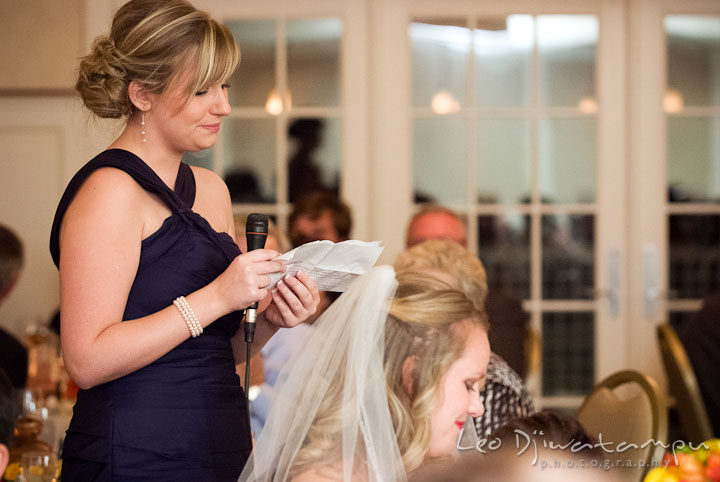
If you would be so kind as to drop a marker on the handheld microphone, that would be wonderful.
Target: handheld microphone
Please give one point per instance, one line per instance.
(256, 231)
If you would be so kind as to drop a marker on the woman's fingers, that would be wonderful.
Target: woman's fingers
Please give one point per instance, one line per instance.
(291, 291)
(295, 298)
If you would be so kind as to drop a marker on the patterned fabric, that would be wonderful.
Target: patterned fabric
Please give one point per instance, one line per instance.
(504, 397)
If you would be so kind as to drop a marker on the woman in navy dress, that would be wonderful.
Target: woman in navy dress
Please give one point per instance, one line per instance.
(152, 284)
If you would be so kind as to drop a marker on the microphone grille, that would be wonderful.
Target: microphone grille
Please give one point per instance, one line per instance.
(257, 223)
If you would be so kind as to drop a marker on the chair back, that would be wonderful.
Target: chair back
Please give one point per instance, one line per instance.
(627, 408)
(684, 386)
(533, 360)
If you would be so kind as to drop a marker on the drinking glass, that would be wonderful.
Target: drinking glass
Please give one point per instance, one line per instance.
(39, 467)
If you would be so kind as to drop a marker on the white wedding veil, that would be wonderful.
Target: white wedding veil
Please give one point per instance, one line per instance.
(330, 414)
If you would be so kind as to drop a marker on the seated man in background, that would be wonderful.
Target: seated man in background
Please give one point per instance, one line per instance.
(506, 314)
(504, 394)
(319, 215)
(13, 354)
(7, 419)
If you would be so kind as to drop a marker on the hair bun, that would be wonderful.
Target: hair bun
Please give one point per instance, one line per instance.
(103, 80)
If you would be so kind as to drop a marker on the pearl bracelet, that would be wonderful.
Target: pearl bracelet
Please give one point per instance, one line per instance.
(188, 315)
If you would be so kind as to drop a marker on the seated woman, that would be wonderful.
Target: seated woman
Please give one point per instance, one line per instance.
(385, 382)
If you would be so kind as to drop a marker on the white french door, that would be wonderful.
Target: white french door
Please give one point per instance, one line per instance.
(673, 166)
(513, 114)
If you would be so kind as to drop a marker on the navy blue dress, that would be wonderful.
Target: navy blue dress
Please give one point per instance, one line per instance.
(183, 417)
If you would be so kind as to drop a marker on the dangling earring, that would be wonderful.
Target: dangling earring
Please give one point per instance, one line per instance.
(142, 126)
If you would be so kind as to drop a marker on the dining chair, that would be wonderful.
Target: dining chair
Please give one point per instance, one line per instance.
(628, 411)
(684, 386)
(533, 360)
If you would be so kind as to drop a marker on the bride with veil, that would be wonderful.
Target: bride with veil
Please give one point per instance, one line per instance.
(386, 380)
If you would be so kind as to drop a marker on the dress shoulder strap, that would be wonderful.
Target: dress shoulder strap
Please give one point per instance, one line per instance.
(181, 199)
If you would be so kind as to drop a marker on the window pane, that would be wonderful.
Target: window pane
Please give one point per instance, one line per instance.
(568, 262)
(202, 158)
(255, 76)
(567, 160)
(439, 160)
(694, 255)
(250, 172)
(566, 47)
(314, 164)
(313, 50)
(440, 50)
(503, 60)
(568, 353)
(693, 50)
(504, 172)
(504, 248)
(694, 159)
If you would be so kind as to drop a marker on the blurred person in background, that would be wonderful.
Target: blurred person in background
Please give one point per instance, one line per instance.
(319, 215)
(8, 405)
(13, 354)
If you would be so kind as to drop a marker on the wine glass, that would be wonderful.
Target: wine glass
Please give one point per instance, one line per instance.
(39, 467)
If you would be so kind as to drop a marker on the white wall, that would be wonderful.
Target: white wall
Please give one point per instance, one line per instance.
(43, 142)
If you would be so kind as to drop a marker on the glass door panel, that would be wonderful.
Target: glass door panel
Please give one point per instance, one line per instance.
(439, 159)
(504, 248)
(255, 77)
(503, 49)
(313, 53)
(566, 151)
(504, 160)
(566, 52)
(314, 160)
(516, 148)
(439, 49)
(249, 160)
(690, 104)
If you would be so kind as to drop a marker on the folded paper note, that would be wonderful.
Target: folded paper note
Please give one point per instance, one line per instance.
(331, 265)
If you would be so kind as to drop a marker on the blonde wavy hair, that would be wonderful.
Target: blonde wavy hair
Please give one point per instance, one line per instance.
(451, 262)
(155, 42)
(427, 322)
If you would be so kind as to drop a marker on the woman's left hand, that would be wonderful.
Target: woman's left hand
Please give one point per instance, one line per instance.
(294, 300)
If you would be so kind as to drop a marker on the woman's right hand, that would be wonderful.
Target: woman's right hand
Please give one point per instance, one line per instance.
(243, 282)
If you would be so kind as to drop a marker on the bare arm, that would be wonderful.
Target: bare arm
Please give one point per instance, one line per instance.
(100, 251)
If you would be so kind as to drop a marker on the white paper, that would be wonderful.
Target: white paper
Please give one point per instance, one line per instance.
(331, 265)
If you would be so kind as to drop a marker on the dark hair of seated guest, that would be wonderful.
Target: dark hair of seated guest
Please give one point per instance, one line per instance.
(552, 427)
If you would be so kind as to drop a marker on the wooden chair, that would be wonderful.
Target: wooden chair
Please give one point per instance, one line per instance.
(628, 407)
(684, 386)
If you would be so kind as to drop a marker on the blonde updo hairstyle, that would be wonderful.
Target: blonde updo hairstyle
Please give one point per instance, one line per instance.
(428, 323)
(154, 42)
